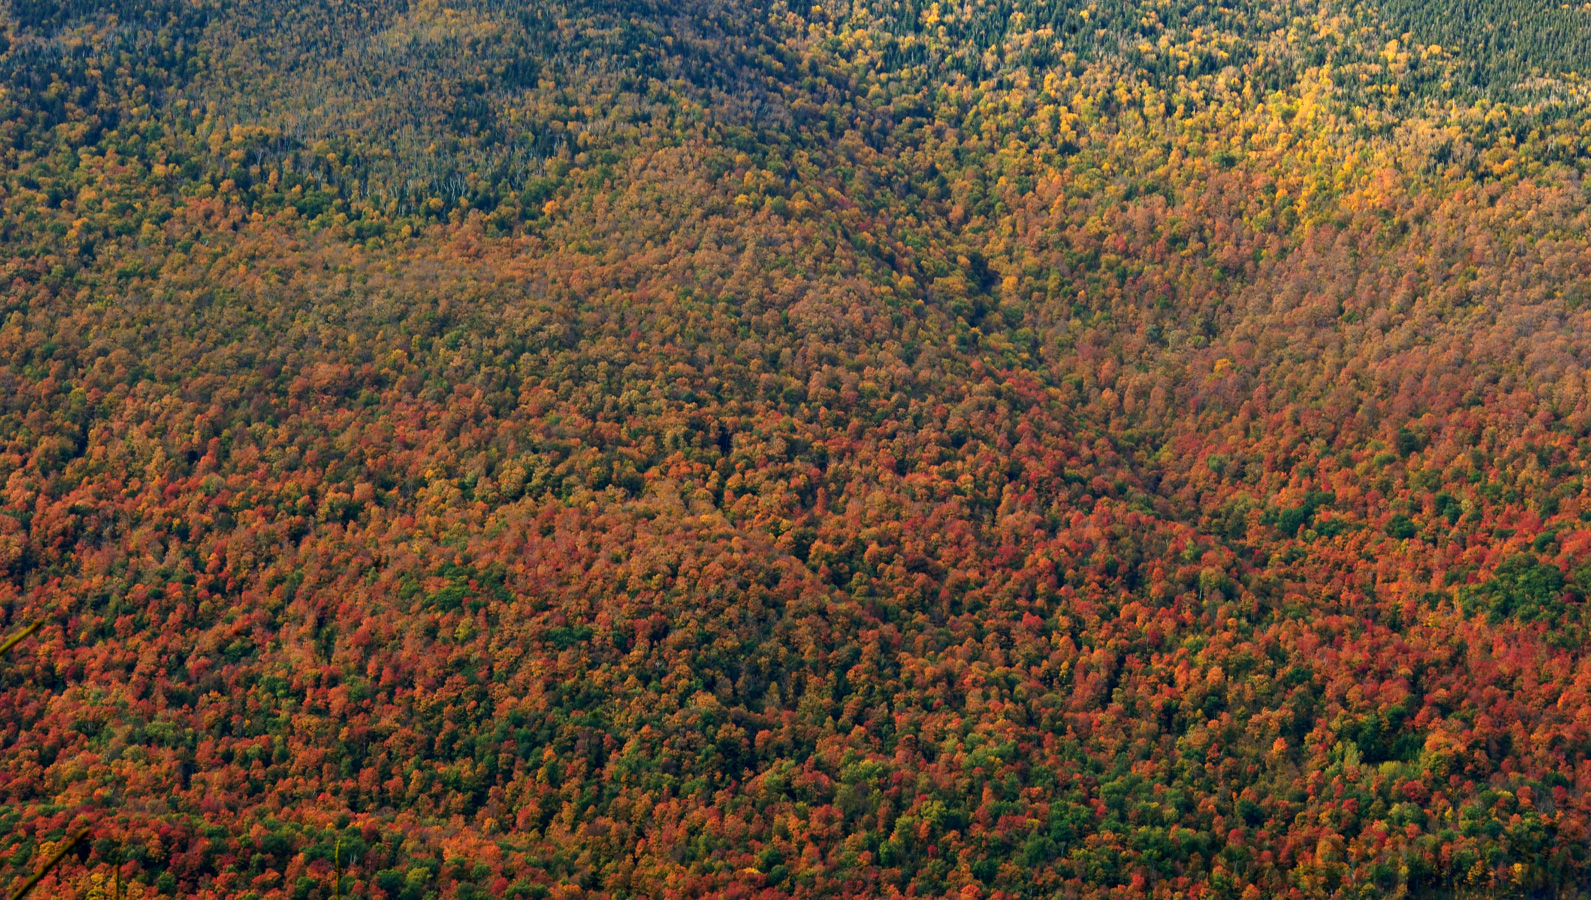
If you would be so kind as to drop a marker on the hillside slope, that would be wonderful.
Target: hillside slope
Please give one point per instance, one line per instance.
(999, 449)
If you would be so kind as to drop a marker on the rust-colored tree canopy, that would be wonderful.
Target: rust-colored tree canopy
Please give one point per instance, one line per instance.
(708, 450)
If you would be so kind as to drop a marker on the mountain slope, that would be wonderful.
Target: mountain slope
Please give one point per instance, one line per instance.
(659, 450)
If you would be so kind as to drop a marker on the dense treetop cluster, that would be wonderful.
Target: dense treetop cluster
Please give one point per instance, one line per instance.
(999, 448)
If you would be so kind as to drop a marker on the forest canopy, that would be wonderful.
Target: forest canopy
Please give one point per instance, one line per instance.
(1000, 448)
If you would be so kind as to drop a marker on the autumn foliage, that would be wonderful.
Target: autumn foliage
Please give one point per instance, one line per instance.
(705, 450)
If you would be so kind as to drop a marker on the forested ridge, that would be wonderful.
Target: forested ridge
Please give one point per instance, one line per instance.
(637, 449)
